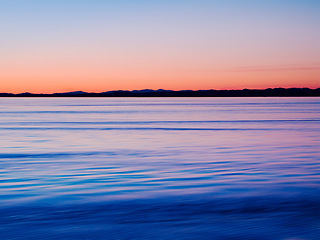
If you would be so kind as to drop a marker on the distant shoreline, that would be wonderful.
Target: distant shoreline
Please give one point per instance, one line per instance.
(270, 92)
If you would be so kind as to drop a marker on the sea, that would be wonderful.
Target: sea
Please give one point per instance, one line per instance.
(160, 168)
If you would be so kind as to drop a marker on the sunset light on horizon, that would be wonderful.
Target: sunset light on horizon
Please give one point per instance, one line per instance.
(97, 46)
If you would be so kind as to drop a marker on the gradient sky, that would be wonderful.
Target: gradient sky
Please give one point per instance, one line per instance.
(51, 46)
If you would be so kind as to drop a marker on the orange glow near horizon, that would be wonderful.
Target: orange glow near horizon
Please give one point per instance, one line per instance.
(53, 80)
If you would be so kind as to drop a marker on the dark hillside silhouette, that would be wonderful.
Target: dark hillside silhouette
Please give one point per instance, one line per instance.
(270, 92)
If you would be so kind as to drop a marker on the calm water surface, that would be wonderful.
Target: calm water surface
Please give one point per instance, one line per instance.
(159, 168)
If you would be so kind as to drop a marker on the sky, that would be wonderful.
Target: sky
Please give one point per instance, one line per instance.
(49, 46)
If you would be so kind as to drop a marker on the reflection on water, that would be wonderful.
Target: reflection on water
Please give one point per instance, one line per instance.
(161, 168)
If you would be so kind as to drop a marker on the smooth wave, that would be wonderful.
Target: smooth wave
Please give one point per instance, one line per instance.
(163, 122)
(197, 205)
(149, 129)
(162, 219)
(52, 155)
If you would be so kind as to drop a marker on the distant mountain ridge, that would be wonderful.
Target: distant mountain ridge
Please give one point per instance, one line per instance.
(269, 92)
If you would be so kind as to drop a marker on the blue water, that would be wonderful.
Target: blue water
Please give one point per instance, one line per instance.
(160, 168)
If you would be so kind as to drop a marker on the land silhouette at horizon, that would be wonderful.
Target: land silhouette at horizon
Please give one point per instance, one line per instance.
(269, 92)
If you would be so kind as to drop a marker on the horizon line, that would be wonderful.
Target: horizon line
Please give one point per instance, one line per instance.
(158, 90)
